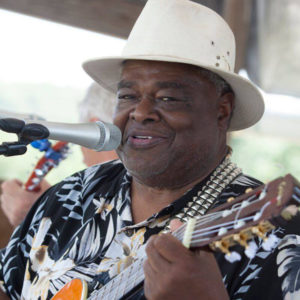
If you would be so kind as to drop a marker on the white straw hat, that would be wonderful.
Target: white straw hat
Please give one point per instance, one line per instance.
(183, 31)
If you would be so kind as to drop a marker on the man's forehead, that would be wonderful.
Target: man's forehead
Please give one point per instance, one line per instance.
(159, 84)
(168, 74)
(163, 65)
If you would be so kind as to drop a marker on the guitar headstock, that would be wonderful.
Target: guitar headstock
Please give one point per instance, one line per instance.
(52, 157)
(253, 214)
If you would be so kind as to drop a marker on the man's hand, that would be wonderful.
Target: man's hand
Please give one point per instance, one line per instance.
(174, 272)
(16, 201)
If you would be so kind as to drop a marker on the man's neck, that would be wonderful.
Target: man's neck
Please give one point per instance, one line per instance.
(147, 200)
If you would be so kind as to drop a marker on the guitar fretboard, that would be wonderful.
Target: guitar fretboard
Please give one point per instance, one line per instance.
(121, 284)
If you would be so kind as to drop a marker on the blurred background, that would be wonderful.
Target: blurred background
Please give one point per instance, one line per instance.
(43, 44)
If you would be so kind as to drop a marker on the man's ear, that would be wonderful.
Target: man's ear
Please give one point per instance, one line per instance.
(225, 110)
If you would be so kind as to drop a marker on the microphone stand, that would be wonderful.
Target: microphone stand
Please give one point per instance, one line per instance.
(11, 149)
(26, 133)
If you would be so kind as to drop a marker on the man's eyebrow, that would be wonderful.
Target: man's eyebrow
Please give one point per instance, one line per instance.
(159, 84)
(170, 84)
(125, 84)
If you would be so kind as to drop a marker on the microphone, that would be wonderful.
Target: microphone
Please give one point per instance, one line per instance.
(99, 136)
(7, 114)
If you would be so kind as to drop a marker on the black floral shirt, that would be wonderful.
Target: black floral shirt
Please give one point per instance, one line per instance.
(83, 228)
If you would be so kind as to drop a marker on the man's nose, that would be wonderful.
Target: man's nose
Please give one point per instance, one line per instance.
(145, 110)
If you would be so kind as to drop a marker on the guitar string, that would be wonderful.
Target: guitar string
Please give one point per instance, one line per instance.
(260, 198)
(118, 286)
(115, 281)
(208, 230)
(212, 217)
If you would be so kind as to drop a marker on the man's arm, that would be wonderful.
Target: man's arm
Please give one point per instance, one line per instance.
(16, 201)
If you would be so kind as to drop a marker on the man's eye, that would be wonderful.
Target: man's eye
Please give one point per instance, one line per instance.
(126, 97)
(167, 99)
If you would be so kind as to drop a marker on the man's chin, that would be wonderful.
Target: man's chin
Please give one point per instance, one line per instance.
(146, 172)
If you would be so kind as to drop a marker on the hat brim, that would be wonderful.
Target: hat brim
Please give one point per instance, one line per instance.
(249, 104)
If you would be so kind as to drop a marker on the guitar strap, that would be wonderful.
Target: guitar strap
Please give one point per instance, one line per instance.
(224, 174)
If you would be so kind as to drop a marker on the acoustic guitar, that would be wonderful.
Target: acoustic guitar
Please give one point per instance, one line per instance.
(253, 214)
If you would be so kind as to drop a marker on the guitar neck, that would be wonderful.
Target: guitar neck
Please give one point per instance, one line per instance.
(122, 284)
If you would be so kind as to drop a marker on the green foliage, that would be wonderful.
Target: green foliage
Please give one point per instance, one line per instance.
(266, 157)
(54, 103)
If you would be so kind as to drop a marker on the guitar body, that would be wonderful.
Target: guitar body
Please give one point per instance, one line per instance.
(76, 289)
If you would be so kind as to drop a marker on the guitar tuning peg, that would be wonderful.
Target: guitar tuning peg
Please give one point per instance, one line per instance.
(259, 231)
(289, 212)
(270, 242)
(223, 245)
(241, 239)
(248, 190)
(230, 199)
(233, 256)
(251, 249)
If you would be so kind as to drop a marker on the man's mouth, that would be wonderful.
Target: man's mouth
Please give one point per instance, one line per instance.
(142, 137)
(144, 141)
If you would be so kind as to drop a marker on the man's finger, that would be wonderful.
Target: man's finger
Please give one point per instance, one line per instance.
(157, 262)
(170, 248)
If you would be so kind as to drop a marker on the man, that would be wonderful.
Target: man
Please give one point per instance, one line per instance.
(97, 105)
(177, 97)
